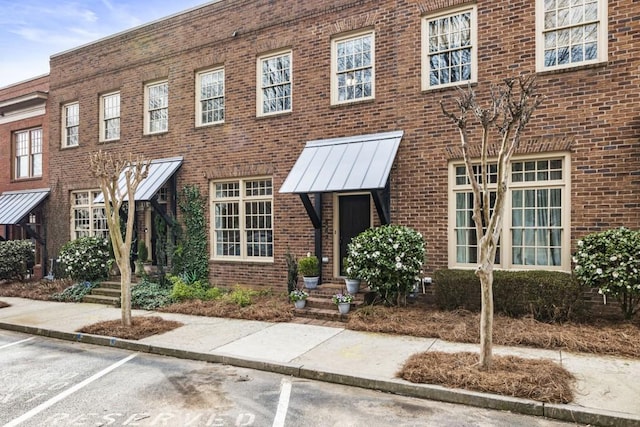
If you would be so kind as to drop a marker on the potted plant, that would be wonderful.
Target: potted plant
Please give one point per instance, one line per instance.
(298, 297)
(343, 301)
(351, 280)
(309, 267)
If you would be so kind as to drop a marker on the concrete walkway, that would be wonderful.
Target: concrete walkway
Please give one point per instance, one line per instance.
(607, 390)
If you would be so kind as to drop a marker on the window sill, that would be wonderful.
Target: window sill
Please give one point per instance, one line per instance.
(164, 132)
(270, 115)
(27, 179)
(69, 147)
(109, 141)
(242, 261)
(569, 69)
(208, 125)
(354, 102)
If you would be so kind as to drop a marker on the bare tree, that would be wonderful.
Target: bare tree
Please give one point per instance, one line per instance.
(508, 112)
(107, 168)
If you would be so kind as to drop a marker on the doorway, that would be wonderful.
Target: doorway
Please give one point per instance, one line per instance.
(354, 217)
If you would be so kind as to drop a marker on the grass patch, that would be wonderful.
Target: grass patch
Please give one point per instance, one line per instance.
(141, 327)
(38, 290)
(537, 379)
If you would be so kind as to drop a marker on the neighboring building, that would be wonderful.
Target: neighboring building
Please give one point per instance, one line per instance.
(230, 95)
(24, 183)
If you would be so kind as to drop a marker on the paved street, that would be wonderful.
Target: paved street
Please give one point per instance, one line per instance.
(46, 382)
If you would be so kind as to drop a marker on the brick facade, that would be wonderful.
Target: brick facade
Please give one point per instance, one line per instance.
(589, 111)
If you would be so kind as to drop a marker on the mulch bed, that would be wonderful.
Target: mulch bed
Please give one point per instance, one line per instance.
(141, 327)
(37, 289)
(3, 304)
(537, 379)
(265, 308)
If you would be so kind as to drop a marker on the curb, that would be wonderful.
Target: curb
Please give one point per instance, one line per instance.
(569, 413)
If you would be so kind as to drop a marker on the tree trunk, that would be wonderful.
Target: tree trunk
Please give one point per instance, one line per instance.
(125, 293)
(485, 273)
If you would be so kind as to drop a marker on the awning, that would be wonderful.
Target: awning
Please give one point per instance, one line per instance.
(16, 205)
(344, 164)
(160, 171)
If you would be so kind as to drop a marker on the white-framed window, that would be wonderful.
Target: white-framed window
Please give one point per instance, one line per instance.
(242, 219)
(570, 33)
(87, 218)
(535, 229)
(449, 48)
(28, 153)
(275, 83)
(353, 68)
(110, 116)
(70, 124)
(156, 118)
(210, 97)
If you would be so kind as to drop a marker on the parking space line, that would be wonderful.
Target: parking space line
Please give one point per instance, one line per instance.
(35, 411)
(15, 343)
(283, 403)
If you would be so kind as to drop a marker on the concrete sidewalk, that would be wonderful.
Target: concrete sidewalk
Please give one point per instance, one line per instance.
(607, 390)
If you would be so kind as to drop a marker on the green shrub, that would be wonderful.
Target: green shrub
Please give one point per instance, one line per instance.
(610, 261)
(309, 266)
(75, 292)
(191, 255)
(242, 297)
(546, 295)
(149, 295)
(16, 257)
(86, 258)
(185, 289)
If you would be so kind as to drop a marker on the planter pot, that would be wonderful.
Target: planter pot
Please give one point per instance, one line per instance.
(353, 285)
(310, 282)
(344, 307)
(300, 303)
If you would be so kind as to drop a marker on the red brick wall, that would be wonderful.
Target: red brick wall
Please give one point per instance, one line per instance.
(590, 110)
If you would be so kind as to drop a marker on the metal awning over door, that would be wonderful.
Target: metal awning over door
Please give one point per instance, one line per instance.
(15, 206)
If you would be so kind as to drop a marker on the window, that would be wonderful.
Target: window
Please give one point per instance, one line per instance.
(210, 97)
(535, 231)
(110, 117)
(28, 153)
(157, 107)
(449, 52)
(242, 219)
(352, 65)
(274, 83)
(570, 33)
(70, 124)
(87, 218)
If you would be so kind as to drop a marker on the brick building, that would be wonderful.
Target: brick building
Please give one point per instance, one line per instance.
(230, 95)
(24, 149)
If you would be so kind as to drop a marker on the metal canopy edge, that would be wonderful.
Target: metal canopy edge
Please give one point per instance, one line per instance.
(16, 205)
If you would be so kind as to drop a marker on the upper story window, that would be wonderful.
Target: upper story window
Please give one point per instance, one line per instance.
(353, 68)
(449, 48)
(570, 33)
(110, 116)
(70, 124)
(156, 107)
(28, 154)
(275, 74)
(210, 97)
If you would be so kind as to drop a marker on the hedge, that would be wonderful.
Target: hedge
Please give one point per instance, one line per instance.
(16, 258)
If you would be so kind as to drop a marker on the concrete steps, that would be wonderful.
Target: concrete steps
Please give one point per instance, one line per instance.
(107, 292)
(320, 306)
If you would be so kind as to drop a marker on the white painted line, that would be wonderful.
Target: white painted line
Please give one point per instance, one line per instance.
(35, 411)
(283, 403)
(16, 343)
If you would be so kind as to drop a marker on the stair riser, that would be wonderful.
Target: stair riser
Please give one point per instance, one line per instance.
(101, 300)
(115, 293)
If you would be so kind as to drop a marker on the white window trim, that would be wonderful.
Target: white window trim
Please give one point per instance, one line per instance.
(102, 137)
(65, 107)
(505, 243)
(334, 67)
(243, 258)
(603, 32)
(30, 154)
(259, 93)
(199, 122)
(90, 206)
(426, 82)
(147, 119)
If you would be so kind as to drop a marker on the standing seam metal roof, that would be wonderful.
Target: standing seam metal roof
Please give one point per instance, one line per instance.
(15, 205)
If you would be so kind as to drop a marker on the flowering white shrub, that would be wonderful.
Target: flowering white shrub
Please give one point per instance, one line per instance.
(389, 259)
(610, 261)
(85, 258)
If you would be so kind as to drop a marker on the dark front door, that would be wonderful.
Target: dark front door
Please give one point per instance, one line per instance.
(355, 217)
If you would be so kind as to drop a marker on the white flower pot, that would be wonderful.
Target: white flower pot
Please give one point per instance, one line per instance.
(353, 285)
(310, 282)
(300, 303)
(344, 307)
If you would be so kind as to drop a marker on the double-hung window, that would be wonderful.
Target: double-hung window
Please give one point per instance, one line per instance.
(535, 227)
(210, 97)
(28, 153)
(242, 226)
(449, 48)
(110, 117)
(275, 73)
(157, 107)
(87, 218)
(70, 124)
(353, 68)
(570, 33)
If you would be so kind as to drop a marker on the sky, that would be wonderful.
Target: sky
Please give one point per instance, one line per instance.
(33, 30)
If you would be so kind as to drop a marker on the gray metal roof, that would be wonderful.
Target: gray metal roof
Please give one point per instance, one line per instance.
(160, 171)
(15, 205)
(344, 164)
